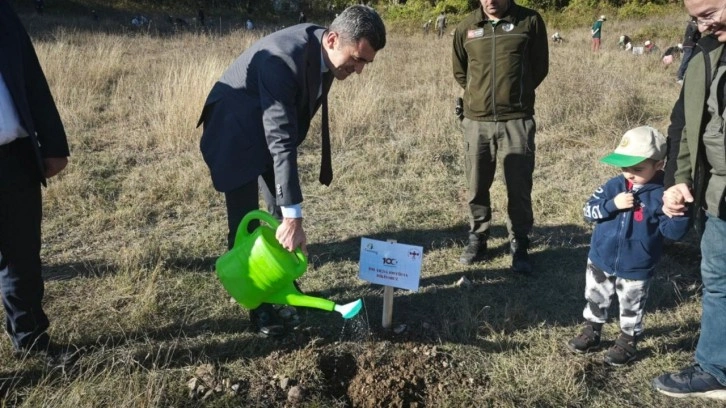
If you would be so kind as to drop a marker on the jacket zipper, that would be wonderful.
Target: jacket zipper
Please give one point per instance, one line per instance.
(494, 71)
(621, 238)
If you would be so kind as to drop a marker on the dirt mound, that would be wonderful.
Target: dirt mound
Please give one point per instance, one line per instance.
(394, 375)
(353, 375)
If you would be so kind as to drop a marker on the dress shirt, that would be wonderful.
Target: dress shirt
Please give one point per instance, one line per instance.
(10, 128)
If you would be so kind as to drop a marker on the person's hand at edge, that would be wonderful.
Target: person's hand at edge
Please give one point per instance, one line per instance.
(54, 165)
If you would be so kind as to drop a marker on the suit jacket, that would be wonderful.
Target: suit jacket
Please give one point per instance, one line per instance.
(259, 112)
(29, 90)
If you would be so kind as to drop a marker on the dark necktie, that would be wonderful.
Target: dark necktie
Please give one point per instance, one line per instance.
(326, 166)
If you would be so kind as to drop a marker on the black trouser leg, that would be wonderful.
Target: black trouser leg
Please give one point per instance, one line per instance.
(21, 282)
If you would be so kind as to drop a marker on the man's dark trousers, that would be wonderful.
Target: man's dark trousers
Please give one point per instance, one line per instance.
(244, 199)
(21, 283)
(512, 143)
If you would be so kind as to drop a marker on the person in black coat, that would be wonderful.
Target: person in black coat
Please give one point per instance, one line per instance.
(33, 147)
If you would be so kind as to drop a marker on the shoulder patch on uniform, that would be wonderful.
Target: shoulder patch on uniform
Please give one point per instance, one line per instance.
(479, 32)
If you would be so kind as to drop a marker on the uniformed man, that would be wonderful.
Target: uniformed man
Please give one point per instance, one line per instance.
(500, 56)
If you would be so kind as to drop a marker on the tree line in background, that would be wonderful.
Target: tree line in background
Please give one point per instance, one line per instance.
(402, 13)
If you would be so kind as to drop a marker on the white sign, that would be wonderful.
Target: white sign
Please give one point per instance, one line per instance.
(390, 264)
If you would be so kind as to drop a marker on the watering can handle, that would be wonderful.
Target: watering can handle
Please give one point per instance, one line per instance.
(242, 231)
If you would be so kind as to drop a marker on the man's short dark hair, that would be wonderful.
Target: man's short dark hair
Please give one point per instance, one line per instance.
(358, 22)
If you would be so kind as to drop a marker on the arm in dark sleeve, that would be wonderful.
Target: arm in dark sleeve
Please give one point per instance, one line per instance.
(459, 58)
(673, 228)
(539, 52)
(46, 120)
(278, 89)
(675, 131)
(601, 205)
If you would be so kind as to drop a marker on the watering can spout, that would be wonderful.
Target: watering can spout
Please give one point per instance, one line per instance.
(291, 296)
(259, 270)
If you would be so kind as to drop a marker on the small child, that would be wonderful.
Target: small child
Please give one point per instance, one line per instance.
(626, 243)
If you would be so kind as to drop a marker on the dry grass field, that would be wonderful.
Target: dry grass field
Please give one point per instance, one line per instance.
(133, 226)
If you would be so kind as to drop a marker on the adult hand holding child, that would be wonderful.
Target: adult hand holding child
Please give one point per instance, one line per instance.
(675, 199)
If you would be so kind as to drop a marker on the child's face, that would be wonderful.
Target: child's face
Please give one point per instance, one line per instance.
(642, 172)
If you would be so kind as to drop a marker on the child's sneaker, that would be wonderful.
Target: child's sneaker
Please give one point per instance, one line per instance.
(622, 352)
(587, 340)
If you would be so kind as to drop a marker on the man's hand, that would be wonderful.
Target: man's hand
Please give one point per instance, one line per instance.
(675, 199)
(624, 201)
(54, 165)
(291, 236)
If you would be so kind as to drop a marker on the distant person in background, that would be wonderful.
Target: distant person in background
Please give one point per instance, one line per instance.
(596, 32)
(690, 38)
(427, 27)
(249, 25)
(649, 47)
(33, 148)
(302, 18)
(200, 18)
(440, 24)
(623, 42)
(626, 209)
(498, 124)
(699, 191)
(260, 110)
(557, 38)
(94, 15)
(39, 6)
(140, 21)
(671, 53)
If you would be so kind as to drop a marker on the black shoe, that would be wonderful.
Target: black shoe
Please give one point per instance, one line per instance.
(54, 355)
(266, 321)
(40, 345)
(622, 352)
(520, 257)
(587, 340)
(690, 382)
(475, 250)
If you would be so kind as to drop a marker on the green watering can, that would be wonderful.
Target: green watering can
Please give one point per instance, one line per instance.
(259, 270)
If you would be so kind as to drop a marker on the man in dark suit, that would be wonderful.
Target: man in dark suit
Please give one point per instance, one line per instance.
(33, 147)
(259, 112)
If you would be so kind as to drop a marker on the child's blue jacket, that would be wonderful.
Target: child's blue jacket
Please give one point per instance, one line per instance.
(628, 243)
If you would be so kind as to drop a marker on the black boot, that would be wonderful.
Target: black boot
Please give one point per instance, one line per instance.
(266, 321)
(475, 250)
(520, 257)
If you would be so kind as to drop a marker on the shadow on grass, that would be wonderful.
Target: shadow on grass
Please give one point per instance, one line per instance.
(84, 269)
(14, 380)
(322, 253)
(99, 268)
(498, 302)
